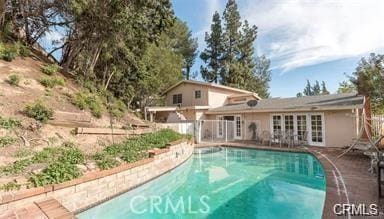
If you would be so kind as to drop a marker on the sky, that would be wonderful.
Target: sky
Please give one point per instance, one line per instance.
(304, 39)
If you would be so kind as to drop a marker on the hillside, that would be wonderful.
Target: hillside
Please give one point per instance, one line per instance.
(33, 135)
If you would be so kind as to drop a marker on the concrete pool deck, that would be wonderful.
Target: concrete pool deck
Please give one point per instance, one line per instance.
(348, 178)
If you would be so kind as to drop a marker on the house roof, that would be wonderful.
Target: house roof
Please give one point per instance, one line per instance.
(206, 84)
(245, 95)
(307, 103)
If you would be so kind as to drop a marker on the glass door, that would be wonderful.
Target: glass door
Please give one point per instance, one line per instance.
(317, 129)
(302, 132)
(237, 127)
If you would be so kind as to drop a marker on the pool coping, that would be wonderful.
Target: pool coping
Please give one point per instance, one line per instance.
(335, 192)
(79, 211)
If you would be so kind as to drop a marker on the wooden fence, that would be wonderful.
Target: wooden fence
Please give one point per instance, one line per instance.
(377, 125)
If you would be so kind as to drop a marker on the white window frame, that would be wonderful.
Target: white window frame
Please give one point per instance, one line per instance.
(309, 120)
(235, 127)
(308, 123)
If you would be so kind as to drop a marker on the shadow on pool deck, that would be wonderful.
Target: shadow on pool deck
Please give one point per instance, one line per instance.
(348, 178)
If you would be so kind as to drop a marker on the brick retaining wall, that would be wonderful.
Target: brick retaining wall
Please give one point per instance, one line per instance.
(96, 187)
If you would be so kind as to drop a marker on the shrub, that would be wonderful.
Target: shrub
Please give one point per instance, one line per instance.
(87, 100)
(118, 108)
(105, 161)
(57, 172)
(135, 149)
(14, 80)
(23, 152)
(23, 50)
(8, 52)
(9, 123)
(15, 168)
(50, 69)
(6, 141)
(10, 186)
(39, 112)
(51, 82)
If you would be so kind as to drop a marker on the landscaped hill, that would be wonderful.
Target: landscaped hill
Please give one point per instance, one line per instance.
(23, 83)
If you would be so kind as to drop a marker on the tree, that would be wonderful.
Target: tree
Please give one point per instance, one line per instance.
(185, 45)
(324, 90)
(232, 40)
(346, 87)
(316, 90)
(212, 55)
(369, 80)
(299, 94)
(261, 76)
(308, 89)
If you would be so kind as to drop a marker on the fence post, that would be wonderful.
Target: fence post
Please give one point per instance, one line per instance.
(226, 130)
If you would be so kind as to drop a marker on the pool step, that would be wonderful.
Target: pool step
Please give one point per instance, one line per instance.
(53, 209)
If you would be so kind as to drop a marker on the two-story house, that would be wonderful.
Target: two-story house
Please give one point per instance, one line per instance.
(331, 120)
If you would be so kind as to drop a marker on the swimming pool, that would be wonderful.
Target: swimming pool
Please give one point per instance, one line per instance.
(227, 183)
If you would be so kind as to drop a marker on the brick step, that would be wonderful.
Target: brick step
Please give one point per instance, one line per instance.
(70, 124)
(108, 131)
(53, 209)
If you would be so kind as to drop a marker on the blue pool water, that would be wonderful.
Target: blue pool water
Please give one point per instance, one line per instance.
(231, 183)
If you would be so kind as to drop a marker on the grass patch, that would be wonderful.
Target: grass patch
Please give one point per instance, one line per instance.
(51, 82)
(38, 111)
(14, 79)
(23, 152)
(50, 69)
(9, 123)
(6, 141)
(86, 100)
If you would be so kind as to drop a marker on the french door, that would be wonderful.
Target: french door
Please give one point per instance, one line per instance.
(304, 127)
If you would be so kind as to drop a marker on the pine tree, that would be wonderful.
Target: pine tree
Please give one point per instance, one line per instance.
(247, 61)
(232, 39)
(324, 90)
(308, 89)
(212, 55)
(316, 90)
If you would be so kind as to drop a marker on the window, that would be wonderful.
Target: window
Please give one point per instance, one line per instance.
(276, 124)
(177, 98)
(197, 94)
(288, 121)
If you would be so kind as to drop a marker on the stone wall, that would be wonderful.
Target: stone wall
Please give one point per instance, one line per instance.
(96, 187)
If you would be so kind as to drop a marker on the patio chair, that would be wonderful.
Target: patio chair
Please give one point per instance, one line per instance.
(265, 137)
(303, 139)
(277, 137)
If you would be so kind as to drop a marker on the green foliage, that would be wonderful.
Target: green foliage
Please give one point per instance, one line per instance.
(135, 149)
(118, 108)
(314, 90)
(8, 52)
(23, 152)
(15, 168)
(50, 69)
(10, 186)
(51, 82)
(9, 123)
(14, 79)
(57, 172)
(87, 100)
(212, 55)
(6, 141)
(105, 161)
(346, 87)
(369, 80)
(39, 111)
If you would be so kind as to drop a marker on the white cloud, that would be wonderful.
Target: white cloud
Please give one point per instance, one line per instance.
(296, 33)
